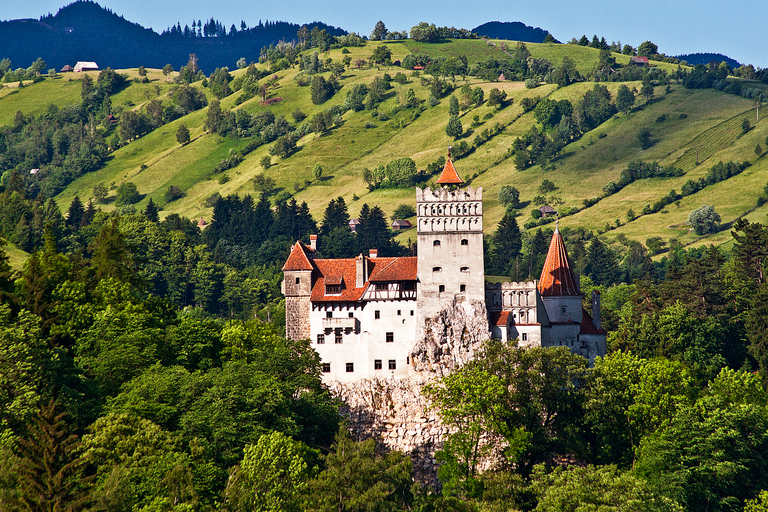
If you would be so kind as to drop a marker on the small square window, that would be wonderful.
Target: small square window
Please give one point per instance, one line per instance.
(377, 314)
(390, 337)
(329, 314)
(351, 315)
(326, 367)
(411, 312)
(350, 367)
(377, 364)
(321, 339)
(441, 289)
(298, 280)
(563, 309)
(399, 312)
(525, 336)
(392, 364)
(462, 288)
(338, 337)
(436, 243)
(464, 241)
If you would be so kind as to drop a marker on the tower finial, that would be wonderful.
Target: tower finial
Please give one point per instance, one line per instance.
(557, 221)
(449, 152)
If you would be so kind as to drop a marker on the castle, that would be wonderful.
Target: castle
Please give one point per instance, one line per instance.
(364, 315)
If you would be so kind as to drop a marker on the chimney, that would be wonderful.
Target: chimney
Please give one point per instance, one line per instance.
(313, 242)
(373, 253)
(596, 308)
(361, 271)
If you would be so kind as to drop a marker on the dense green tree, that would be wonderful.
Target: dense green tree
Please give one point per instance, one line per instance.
(505, 246)
(127, 194)
(151, 211)
(601, 263)
(453, 128)
(356, 478)
(272, 477)
(373, 232)
(182, 134)
(75, 213)
(335, 216)
(381, 54)
(704, 220)
(604, 488)
(379, 31)
(625, 99)
(48, 470)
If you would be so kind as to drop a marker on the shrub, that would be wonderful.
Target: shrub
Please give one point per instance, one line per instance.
(127, 193)
(173, 193)
(404, 211)
(704, 220)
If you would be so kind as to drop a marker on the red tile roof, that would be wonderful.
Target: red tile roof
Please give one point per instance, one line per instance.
(449, 175)
(333, 271)
(557, 277)
(499, 317)
(299, 259)
(588, 325)
(393, 269)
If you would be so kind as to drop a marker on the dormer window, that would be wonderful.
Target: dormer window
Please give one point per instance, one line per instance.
(332, 289)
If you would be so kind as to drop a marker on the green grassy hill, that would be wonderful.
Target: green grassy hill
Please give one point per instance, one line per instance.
(685, 125)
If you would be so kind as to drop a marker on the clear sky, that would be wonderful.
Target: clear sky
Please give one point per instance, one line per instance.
(733, 28)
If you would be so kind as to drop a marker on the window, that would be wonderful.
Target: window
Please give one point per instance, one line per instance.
(437, 269)
(409, 285)
(462, 288)
(338, 336)
(436, 243)
(331, 289)
(464, 241)
(298, 280)
(326, 367)
(329, 314)
(525, 336)
(411, 312)
(377, 364)
(563, 309)
(320, 339)
(464, 269)
(392, 364)
(377, 314)
(399, 313)
(382, 286)
(441, 289)
(351, 315)
(350, 367)
(390, 337)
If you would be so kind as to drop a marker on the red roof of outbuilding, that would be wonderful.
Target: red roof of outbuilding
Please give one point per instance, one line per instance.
(499, 317)
(557, 277)
(449, 175)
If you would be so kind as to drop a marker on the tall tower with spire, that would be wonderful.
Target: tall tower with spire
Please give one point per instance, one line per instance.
(450, 241)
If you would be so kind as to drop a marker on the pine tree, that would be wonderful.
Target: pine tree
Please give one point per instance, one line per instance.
(151, 211)
(335, 216)
(75, 213)
(601, 263)
(505, 246)
(50, 476)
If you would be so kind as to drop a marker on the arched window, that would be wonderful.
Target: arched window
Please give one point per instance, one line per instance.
(436, 243)
(437, 269)
(464, 241)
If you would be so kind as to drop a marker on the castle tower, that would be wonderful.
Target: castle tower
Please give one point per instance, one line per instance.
(560, 293)
(450, 242)
(297, 288)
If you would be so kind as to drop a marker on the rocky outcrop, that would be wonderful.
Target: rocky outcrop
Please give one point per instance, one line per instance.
(451, 338)
(394, 411)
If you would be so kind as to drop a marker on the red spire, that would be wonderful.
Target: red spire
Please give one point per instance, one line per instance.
(557, 277)
(449, 175)
(298, 260)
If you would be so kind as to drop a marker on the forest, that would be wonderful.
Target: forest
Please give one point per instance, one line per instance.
(144, 367)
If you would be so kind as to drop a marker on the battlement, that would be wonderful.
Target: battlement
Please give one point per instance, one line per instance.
(444, 194)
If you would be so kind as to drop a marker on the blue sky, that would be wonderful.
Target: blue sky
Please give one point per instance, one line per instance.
(736, 29)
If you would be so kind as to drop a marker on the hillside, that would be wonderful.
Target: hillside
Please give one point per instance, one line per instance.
(682, 122)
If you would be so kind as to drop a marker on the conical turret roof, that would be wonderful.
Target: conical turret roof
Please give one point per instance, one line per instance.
(449, 175)
(557, 277)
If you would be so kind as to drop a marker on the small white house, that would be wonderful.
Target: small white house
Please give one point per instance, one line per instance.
(86, 66)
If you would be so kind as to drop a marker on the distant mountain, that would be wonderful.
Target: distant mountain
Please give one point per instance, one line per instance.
(514, 31)
(85, 31)
(706, 58)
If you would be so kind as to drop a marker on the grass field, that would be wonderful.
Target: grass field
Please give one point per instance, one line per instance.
(690, 129)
